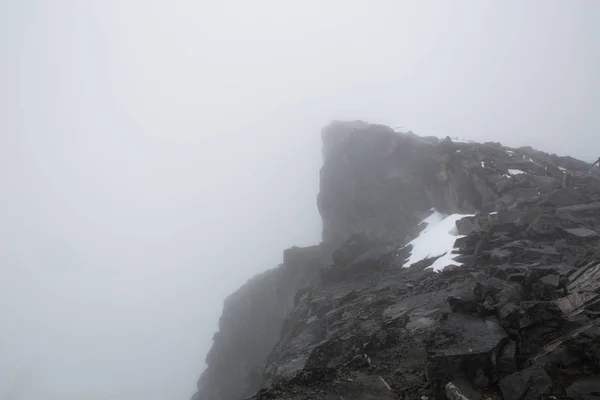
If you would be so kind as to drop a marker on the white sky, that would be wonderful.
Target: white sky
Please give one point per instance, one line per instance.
(155, 154)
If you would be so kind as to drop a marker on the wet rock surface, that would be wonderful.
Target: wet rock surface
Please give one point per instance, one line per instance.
(348, 319)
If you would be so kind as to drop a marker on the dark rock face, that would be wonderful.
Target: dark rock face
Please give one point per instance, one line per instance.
(347, 319)
(259, 307)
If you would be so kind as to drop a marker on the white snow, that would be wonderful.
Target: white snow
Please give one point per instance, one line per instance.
(515, 172)
(510, 152)
(437, 239)
(457, 139)
(482, 164)
(562, 169)
(400, 129)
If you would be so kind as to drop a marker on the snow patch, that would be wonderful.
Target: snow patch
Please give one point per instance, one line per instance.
(457, 139)
(482, 164)
(562, 169)
(515, 172)
(436, 240)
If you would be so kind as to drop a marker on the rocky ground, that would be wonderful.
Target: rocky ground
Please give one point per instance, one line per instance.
(518, 318)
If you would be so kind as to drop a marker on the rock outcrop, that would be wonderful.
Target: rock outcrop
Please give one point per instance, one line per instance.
(515, 313)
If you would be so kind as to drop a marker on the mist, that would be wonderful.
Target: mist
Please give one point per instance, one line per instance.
(156, 154)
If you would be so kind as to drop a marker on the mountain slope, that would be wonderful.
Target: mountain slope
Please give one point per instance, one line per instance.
(512, 313)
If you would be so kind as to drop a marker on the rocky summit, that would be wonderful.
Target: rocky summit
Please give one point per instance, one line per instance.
(446, 269)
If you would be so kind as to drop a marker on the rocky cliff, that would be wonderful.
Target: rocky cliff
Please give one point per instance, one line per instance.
(446, 269)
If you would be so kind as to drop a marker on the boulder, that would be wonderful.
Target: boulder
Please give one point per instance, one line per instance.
(529, 384)
(465, 306)
(563, 198)
(541, 311)
(547, 287)
(587, 388)
(507, 360)
(513, 318)
(494, 292)
(469, 349)
(461, 389)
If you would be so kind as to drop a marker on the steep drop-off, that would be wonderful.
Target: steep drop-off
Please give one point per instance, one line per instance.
(514, 314)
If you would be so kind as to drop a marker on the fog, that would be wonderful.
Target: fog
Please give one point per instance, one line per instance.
(156, 154)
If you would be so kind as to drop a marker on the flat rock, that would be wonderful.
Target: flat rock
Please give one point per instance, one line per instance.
(586, 279)
(582, 233)
(580, 208)
(575, 301)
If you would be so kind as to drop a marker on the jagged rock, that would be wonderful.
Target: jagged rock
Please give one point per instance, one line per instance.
(463, 306)
(586, 343)
(499, 256)
(587, 388)
(541, 311)
(548, 287)
(513, 318)
(563, 198)
(586, 279)
(544, 254)
(346, 320)
(575, 301)
(529, 384)
(546, 324)
(505, 270)
(471, 343)
(507, 360)
(493, 292)
(461, 389)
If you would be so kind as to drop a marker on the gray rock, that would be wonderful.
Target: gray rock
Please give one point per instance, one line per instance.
(563, 198)
(365, 328)
(582, 233)
(586, 279)
(587, 388)
(513, 318)
(498, 256)
(468, 353)
(529, 384)
(461, 389)
(507, 360)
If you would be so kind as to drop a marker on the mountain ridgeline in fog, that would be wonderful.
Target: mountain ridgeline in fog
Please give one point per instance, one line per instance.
(446, 269)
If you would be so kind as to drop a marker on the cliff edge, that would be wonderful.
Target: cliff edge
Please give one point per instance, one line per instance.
(446, 269)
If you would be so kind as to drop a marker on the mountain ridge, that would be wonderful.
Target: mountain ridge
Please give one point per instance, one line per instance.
(348, 318)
